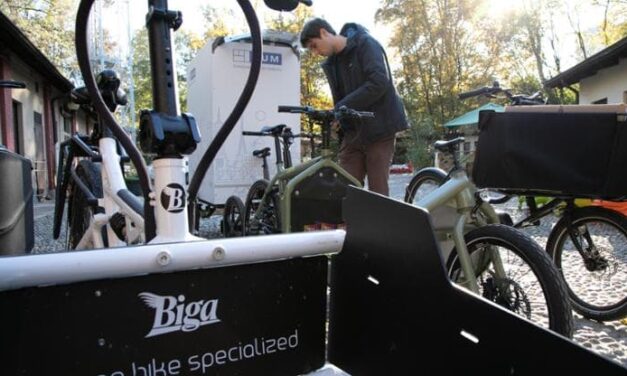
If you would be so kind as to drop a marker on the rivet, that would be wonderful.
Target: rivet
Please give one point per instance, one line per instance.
(164, 258)
(219, 253)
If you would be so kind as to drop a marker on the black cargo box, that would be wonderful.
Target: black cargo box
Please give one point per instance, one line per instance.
(573, 154)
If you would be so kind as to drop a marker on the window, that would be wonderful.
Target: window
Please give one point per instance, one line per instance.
(17, 126)
(67, 127)
(601, 101)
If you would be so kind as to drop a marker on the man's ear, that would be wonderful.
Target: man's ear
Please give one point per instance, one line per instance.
(324, 33)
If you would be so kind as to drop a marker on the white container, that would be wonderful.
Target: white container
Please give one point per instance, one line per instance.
(216, 78)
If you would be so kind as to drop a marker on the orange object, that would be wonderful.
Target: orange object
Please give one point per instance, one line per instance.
(619, 206)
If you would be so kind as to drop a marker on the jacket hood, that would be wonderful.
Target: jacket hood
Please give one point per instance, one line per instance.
(352, 31)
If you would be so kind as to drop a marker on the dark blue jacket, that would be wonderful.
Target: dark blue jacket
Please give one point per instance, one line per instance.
(360, 78)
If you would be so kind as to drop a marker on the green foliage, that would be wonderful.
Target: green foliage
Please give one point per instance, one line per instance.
(420, 138)
(313, 83)
(141, 70)
(49, 25)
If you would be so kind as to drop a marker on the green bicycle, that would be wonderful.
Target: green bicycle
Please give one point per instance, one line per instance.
(302, 197)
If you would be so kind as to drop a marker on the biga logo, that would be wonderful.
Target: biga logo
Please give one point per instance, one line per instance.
(172, 314)
(173, 198)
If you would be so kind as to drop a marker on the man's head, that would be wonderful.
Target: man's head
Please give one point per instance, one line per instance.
(319, 37)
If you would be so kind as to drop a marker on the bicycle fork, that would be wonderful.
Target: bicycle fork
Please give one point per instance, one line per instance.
(584, 244)
(470, 269)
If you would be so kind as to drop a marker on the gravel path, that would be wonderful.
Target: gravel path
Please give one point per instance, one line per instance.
(605, 338)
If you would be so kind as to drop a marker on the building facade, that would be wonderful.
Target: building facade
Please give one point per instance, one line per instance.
(35, 119)
(602, 77)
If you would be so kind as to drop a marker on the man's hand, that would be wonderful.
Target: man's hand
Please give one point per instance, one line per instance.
(335, 125)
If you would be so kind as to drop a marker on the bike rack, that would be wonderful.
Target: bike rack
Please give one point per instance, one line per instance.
(258, 305)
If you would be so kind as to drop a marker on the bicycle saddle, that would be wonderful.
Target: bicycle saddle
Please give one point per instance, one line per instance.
(274, 130)
(448, 145)
(109, 86)
(262, 153)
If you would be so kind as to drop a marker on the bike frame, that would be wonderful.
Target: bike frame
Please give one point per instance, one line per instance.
(288, 179)
(459, 192)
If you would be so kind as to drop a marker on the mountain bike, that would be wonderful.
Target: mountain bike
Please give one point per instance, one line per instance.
(589, 242)
(306, 196)
(493, 260)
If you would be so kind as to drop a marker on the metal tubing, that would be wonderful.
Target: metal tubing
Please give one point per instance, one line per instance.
(463, 256)
(69, 267)
(445, 193)
(163, 70)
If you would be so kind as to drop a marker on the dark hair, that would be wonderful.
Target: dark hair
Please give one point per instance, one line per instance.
(312, 30)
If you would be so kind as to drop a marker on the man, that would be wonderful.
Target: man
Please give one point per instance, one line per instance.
(360, 78)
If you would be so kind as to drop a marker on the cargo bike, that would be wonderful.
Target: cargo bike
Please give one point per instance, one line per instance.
(254, 305)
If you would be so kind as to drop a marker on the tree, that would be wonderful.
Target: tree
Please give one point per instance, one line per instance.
(50, 26)
(439, 56)
(313, 83)
(220, 21)
(141, 70)
(187, 44)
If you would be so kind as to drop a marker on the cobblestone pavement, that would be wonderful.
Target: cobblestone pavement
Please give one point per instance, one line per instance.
(605, 338)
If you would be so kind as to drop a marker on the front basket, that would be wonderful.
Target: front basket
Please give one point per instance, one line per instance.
(557, 154)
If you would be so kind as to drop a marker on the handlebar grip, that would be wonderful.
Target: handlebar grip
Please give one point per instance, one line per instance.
(292, 109)
(474, 93)
(247, 133)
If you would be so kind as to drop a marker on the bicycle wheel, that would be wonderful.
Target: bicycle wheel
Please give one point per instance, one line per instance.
(531, 287)
(79, 212)
(423, 183)
(596, 277)
(268, 221)
(233, 221)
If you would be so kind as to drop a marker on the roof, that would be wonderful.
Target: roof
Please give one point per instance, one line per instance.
(12, 39)
(601, 60)
(279, 38)
(472, 117)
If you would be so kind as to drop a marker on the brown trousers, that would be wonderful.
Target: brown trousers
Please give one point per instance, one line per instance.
(371, 160)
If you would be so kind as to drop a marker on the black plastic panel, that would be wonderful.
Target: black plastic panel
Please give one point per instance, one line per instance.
(560, 154)
(260, 319)
(319, 200)
(394, 312)
(16, 204)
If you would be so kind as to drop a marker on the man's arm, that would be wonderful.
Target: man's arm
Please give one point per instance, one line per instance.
(377, 80)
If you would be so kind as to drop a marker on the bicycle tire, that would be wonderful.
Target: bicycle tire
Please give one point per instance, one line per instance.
(79, 212)
(270, 222)
(531, 259)
(424, 182)
(609, 231)
(233, 220)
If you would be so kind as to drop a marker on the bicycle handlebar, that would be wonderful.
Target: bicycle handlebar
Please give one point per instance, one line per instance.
(248, 133)
(516, 100)
(342, 112)
(477, 92)
(294, 109)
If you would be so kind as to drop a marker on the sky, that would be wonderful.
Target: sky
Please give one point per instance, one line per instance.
(337, 12)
